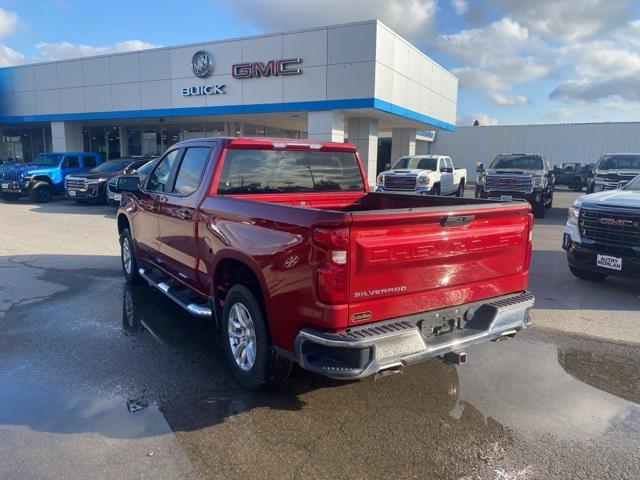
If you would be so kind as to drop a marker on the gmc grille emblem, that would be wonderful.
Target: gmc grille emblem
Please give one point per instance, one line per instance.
(617, 222)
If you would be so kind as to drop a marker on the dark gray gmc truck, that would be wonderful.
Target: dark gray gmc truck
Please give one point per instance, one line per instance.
(522, 176)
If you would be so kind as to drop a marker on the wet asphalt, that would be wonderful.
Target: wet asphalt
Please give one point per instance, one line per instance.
(100, 380)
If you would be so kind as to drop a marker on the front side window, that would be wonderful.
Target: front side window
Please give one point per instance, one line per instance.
(284, 171)
(89, 161)
(518, 162)
(191, 169)
(161, 175)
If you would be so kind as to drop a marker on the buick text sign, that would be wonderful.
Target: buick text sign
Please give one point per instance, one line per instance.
(203, 90)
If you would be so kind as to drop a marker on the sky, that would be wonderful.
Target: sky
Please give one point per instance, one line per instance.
(517, 61)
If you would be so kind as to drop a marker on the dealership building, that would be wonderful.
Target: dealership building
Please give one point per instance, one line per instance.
(358, 81)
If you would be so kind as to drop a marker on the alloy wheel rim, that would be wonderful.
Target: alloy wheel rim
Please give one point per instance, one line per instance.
(126, 255)
(242, 336)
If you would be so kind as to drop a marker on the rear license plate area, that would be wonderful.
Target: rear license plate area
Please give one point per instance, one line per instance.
(440, 324)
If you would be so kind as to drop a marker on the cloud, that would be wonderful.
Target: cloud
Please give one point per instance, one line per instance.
(497, 58)
(411, 18)
(8, 22)
(508, 100)
(65, 50)
(604, 71)
(9, 57)
(460, 6)
(482, 118)
(567, 20)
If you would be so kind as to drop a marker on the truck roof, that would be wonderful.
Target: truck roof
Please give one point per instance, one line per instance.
(276, 143)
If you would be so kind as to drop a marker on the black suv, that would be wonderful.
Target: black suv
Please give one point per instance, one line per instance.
(92, 186)
(526, 176)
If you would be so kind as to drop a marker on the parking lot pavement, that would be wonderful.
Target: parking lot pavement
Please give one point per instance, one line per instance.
(99, 380)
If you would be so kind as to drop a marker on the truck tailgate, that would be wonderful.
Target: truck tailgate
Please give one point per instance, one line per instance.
(404, 262)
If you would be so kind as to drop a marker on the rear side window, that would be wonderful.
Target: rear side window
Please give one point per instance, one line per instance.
(71, 162)
(161, 175)
(90, 161)
(191, 169)
(284, 171)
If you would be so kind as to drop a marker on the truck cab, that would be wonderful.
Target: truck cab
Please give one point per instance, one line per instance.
(423, 175)
(45, 176)
(524, 176)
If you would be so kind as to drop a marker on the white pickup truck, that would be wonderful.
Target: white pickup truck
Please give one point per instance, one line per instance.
(423, 174)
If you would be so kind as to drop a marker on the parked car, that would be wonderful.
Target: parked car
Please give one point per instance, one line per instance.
(613, 170)
(423, 174)
(573, 175)
(92, 186)
(602, 235)
(280, 242)
(526, 176)
(113, 194)
(45, 176)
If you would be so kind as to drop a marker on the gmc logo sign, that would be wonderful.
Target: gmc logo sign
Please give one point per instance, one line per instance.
(271, 68)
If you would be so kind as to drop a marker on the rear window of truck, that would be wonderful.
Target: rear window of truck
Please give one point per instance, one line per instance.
(286, 171)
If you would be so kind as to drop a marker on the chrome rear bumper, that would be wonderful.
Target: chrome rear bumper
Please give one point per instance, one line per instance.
(369, 349)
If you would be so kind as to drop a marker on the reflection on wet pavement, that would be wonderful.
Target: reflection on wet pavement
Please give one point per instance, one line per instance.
(539, 406)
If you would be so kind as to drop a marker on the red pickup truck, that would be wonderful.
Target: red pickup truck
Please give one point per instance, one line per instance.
(282, 244)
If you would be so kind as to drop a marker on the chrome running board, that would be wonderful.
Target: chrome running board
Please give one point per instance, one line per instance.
(193, 308)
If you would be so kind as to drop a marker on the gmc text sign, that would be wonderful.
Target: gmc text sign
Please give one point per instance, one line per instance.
(286, 66)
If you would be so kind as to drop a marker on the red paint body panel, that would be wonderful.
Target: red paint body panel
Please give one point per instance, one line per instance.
(401, 259)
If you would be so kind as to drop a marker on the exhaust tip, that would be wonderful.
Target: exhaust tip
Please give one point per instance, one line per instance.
(389, 370)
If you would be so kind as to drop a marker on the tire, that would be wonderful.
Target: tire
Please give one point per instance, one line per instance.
(587, 275)
(460, 192)
(550, 204)
(436, 190)
(268, 367)
(10, 197)
(40, 192)
(590, 188)
(128, 258)
(576, 185)
(539, 211)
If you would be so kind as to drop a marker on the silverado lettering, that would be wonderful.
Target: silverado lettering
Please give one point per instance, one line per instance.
(282, 245)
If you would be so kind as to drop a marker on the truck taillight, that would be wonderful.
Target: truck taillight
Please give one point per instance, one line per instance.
(527, 259)
(332, 271)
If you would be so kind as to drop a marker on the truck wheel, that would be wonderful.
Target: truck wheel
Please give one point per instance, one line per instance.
(587, 275)
(550, 204)
(460, 192)
(251, 356)
(436, 190)
(576, 185)
(128, 258)
(10, 197)
(539, 210)
(40, 192)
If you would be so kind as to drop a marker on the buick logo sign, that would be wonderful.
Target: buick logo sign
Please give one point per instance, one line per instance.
(202, 64)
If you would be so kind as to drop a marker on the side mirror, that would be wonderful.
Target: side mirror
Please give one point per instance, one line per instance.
(129, 183)
(479, 167)
(387, 166)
